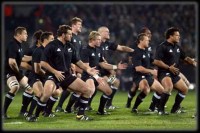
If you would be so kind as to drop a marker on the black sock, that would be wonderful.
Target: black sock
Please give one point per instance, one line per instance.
(26, 99)
(33, 105)
(91, 98)
(155, 100)
(114, 90)
(63, 97)
(51, 101)
(83, 101)
(8, 99)
(139, 100)
(163, 100)
(76, 104)
(40, 107)
(179, 98)
(103, 101)
(130, 97)
(74, 97)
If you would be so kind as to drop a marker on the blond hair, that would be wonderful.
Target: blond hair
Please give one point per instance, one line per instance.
(93, 35)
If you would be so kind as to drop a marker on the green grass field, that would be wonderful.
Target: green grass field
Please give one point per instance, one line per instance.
(120, 119)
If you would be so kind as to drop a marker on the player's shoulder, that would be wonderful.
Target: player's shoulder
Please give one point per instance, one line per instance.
(12, 43)
(137, 51)
(53, 44)
(85, 47)
(162, 45)
(39, 49)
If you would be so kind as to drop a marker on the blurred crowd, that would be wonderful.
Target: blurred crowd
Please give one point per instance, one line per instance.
(123, 20)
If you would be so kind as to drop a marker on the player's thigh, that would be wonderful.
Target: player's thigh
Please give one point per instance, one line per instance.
(167, 84)
(181, 86)
(38, 88)
(105, 88)
(91, 84)
(156, 86)
(79, 85)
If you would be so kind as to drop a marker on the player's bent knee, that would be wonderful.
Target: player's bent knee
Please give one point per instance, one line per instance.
(184, 91)
(108, 92)
(146, 90)
(27, 87)
(57, 92)
(86, 90)
(117, 82)
(14, 85)
(92, 91)
(39, 94)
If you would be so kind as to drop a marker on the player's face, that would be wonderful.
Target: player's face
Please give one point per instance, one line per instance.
(148, 32)
(68, 35)
(23, 36)
(78, 26)
(106, 33)
(176, 37)
(146, 41)
(51, 38)
(97, 41)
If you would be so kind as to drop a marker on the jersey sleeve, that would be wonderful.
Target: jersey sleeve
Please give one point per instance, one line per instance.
(12, 50)
(182, 54)
(112, 46)
(133, 46)
(101, 59)
(84, 55)
(75, 56)
(48, 51)
(136, 59)
(159, 52)
(28, 52)
(36, 56)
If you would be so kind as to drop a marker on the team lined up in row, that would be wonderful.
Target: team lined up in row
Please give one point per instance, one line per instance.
(57, 64)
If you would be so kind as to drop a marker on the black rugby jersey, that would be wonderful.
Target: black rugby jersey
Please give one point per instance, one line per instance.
(14, 50)
(141, 57)
(37, 56)
(60, 56)
(108, 47)
(91, 55)
(77, 43)
(30, 50)
(169, 54)
(149, 49)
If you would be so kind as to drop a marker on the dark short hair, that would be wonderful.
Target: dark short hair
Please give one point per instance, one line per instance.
(45, 35)
(19, 30)
(170, 32)
(75, 20)
(140, 37)
(63, 29)
(144, 30)
(36, 36)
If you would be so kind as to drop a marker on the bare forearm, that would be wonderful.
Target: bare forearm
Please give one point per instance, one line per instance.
(106, 66)
(143, 69)
(26, 66)
(161, 64)
(82, 65)
(48, 67)
(14, 67)
(126, 49)
(190, 61)
(38, 69)
(41, 72)
(27, 58)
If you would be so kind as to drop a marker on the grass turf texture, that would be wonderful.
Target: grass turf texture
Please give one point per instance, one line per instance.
(121, 119)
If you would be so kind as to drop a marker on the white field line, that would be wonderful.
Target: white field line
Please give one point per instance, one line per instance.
(16, 122)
